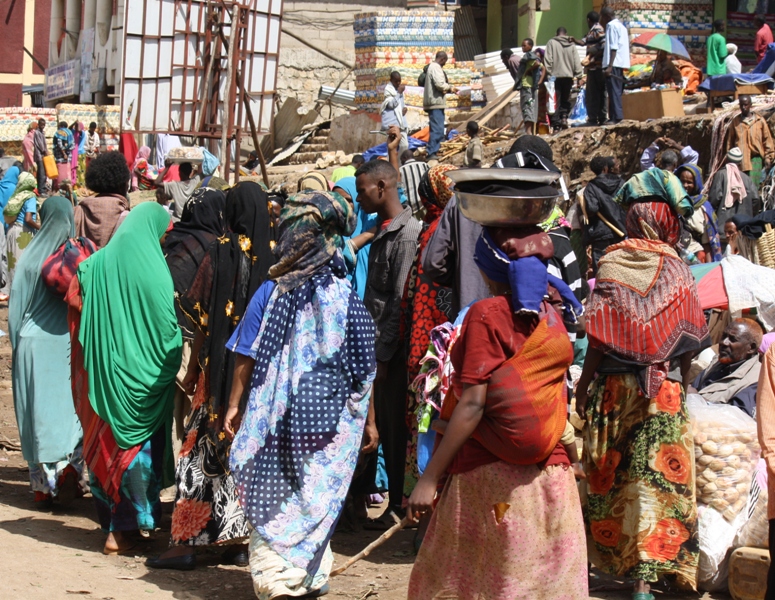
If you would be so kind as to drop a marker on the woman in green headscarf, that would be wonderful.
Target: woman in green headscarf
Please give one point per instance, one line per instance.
(126, 350)
(37, 322)
(21, 217)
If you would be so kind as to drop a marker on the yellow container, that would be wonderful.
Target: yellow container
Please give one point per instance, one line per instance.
(748, 573)
(50, 165)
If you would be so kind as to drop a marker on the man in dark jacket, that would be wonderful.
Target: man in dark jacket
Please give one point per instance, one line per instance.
(748, 205)
(605, 218)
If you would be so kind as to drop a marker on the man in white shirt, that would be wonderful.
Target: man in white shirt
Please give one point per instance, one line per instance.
(393, 109)
(616, 59)
(686, 154)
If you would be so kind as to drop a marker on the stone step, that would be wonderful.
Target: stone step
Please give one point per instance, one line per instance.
(301, 158)
(313, 147)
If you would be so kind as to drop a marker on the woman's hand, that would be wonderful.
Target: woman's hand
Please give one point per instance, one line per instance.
(232, 421)
(190, 380)
(581, 402)
(370, 438)
(421, 500)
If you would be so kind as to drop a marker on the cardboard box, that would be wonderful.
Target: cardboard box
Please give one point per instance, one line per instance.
(653, 104)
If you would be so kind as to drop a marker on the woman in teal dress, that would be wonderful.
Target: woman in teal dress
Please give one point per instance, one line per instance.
(37, 321)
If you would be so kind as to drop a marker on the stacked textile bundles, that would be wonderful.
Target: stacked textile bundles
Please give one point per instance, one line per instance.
(688, 20)
(405, 42)
(497, 80)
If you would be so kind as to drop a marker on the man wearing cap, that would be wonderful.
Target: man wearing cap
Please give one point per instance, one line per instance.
(732, 192)
(751, 133)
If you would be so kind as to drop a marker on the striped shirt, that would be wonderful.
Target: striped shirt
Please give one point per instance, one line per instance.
(565, 266)
(411, 174)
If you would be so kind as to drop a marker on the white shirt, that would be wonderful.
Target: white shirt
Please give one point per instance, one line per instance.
(393, 108)
(733, 64)
(92, 146)
(617, 38)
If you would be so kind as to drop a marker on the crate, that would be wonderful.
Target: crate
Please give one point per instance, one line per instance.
(653, 104)
(748, 569)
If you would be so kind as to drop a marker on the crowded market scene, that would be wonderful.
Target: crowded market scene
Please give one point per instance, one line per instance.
(405, 299)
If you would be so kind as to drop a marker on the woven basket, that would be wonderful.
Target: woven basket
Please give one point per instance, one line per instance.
(765, 247)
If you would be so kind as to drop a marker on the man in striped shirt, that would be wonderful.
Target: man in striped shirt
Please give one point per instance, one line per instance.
(412, 171)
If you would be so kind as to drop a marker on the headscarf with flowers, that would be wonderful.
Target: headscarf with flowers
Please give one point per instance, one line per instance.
(435, 190)
(312, 229)
(237, 263)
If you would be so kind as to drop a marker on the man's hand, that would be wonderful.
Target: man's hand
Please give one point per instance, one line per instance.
(609, 71)
(454, 90)
(401, 88)
(403, 112)
(382, 369)
(394, 139)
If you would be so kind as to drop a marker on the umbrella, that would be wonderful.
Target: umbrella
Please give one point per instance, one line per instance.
(710, 286)
(662, 41)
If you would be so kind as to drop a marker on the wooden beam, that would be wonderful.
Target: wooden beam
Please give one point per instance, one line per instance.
(227, 110)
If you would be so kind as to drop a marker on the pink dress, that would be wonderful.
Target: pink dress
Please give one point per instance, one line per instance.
(28, 150)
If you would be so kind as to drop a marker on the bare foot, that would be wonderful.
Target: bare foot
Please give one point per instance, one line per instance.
(641, 587)
(117, 543)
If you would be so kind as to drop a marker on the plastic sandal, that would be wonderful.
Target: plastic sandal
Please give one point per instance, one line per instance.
(643, 596)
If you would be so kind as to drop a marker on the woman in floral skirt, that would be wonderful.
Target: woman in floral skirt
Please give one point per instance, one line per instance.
(644, 323)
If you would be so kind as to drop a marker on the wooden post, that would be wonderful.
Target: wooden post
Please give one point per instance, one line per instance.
(227, 110)
(531, 20)
(254, 133)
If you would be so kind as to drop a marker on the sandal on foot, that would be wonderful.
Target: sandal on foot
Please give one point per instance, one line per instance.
(642, 596)
(317, 593)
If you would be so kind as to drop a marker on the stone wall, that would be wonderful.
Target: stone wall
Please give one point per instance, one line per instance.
(328, 26)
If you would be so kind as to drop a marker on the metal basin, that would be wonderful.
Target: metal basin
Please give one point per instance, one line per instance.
(505, 211)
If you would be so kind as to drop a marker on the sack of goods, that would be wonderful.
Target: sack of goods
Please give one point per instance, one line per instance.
(726, 451)
(185, 154)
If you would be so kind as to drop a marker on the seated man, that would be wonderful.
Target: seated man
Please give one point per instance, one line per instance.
(733, 377)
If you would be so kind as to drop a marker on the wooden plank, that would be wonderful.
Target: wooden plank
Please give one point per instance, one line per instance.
(483, 116)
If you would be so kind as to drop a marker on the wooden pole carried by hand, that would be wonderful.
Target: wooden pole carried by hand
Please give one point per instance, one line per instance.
(373, 546)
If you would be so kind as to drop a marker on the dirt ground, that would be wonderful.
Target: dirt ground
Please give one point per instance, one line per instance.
(52, 554)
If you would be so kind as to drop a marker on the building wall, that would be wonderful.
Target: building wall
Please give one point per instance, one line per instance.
(328, 26)
(571, 14)
(106, 17)
(24, 24)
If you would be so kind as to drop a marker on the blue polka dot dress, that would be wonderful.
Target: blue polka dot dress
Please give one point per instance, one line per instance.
(294, 455)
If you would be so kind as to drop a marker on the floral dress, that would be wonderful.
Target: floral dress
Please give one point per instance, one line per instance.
(640, 510)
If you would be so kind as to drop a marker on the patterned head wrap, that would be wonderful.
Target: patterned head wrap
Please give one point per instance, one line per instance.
(435, 188)
(653, 221)
(316, 182)
(312, 228)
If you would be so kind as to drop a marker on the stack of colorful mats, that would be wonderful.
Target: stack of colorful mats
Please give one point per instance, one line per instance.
(690, 21)
(406, 41)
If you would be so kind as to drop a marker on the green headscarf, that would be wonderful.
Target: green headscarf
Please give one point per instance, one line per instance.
(129, 332)
(25, 189)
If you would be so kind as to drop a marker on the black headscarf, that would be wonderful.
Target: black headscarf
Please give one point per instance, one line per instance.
(187, 244)
(236, 265)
